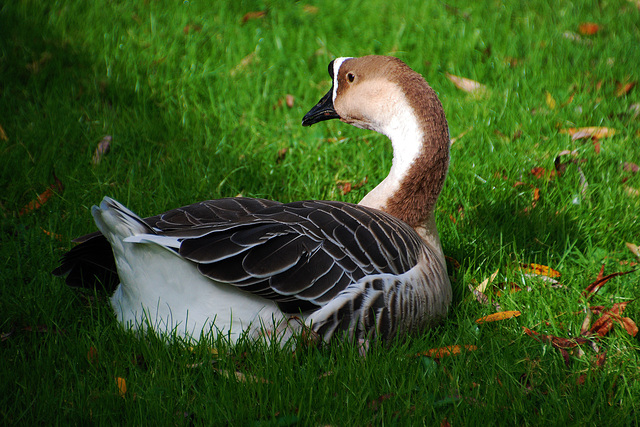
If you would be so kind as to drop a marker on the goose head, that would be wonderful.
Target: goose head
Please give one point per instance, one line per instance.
(383, 94)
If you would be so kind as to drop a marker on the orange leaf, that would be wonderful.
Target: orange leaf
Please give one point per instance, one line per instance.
(623, 89)
(588, 28)
(122, 386)
(50, 234)
(540, 270)
(467, 85)
(43, 197)
(498, 316)
(451, 350)
(259, 14)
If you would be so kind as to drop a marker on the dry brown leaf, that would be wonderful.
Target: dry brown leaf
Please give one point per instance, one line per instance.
(540, 270)
(258, 14)
(498, 316)
(92, 356)
(3, 134)
(121, 383)
(467, 85)
(589, 132)
(623, 89)
(451, 350)
(240, 377)
(312, 10)
(344, 187)
(631, 191)
(192, 27)
(586, 323)
(244, 62)
(634, 249)
(631, 167)
(588, 28)
(42, 198)
(290, 99)
(601, 280)
(103, 148)
(557, 342)
(602, 326)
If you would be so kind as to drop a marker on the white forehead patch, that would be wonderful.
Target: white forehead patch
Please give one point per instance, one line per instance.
(336, 68)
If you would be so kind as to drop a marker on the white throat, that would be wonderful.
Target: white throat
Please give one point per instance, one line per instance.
(406, 137)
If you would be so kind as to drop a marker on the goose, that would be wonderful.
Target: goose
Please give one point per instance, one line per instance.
(260, 268)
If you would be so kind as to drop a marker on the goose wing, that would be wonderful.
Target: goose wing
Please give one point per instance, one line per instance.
(299, 254)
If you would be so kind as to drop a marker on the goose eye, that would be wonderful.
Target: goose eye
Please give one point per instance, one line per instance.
(351, 77)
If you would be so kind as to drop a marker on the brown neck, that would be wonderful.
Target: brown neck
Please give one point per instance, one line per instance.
(414, 201)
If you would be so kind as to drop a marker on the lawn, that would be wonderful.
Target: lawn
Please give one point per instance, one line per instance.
(204, 100)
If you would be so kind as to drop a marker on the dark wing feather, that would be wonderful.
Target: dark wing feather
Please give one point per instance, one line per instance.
(299, 254)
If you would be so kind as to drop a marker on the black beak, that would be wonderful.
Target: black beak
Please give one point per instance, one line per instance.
(323, 110)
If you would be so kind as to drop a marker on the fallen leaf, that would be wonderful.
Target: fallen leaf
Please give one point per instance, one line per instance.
(586, 323)
(240, 377)
(480, 297)
(244, 62)
(42, 198)
(602, 326)
(103, 148)
(551, 103)
(588, 28)
(498, 316)
(457, 138)
(483, 286)
(601, 280)
(344, 187)
(3, 134)
(282, 153)
(50, 234)
(192, 27)
(122, 386)
(312, 10)
(631, 167)
(290, 99)
(623, 89)
(635, 249)
(538, 269)
(631, 191)
(259, 14)
(451, 350)
(557, 342)
(589, 132)
(92, 356)
(467, 85)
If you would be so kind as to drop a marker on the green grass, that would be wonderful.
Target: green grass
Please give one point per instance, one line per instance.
(193, 99)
